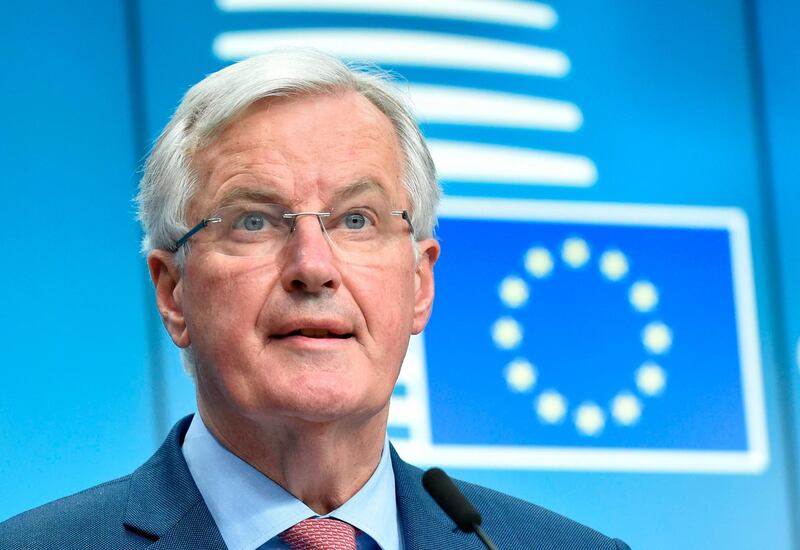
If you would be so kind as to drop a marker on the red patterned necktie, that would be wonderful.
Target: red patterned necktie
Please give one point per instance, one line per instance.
(320, 534)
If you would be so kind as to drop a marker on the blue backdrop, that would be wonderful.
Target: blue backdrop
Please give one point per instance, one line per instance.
(617, 320)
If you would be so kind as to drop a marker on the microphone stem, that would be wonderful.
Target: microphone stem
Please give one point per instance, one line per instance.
(484, 538)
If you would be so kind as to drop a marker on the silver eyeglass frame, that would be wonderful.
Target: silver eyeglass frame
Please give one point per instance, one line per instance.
(286, 215)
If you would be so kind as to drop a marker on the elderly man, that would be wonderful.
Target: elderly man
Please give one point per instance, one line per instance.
(288, 209)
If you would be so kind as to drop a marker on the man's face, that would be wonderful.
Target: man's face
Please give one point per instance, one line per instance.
(304, 333)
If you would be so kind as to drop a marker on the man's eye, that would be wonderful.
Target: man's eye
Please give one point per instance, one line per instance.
(251, 221)
(355, 220)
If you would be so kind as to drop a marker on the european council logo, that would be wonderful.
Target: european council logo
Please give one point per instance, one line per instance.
(474, 72)
(587, 336)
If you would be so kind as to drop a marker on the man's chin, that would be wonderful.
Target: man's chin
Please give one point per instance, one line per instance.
(336, 409)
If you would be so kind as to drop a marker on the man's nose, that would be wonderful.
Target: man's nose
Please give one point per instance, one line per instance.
(310, 264)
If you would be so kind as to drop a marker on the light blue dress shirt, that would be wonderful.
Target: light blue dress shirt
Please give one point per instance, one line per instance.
(251, 510)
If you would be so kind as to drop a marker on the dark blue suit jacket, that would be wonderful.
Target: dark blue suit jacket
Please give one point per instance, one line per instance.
(160, 507)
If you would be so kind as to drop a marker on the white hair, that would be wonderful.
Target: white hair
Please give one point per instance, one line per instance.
(169, 181)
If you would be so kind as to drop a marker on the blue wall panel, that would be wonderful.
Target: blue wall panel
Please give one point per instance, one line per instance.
(75, 404)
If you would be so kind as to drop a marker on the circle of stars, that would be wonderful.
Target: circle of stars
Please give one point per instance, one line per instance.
(521, 376)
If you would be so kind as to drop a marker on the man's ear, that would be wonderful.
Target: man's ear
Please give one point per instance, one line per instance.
(166, 277)
(423, 286)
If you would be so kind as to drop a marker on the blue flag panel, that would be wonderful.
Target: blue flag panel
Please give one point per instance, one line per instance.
(604, 327)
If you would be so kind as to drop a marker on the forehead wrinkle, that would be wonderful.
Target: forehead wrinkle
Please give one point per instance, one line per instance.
(264, 165)
(225, 162)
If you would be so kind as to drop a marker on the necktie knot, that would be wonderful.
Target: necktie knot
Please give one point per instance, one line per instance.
(320, 534)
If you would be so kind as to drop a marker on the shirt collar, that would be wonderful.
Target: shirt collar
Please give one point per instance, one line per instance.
(250, 509)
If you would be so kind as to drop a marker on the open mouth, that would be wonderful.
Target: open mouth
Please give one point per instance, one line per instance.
(314, 333)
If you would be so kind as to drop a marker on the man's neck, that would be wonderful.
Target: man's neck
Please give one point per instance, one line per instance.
(323, 464)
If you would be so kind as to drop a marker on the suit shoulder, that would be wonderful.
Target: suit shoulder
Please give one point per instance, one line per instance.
(91, 518)
(509, 521)
(530, 522)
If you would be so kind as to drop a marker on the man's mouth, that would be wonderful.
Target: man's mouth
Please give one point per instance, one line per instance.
(314, 333)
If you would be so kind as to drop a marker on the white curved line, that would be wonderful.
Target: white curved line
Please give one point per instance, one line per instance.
(465, 106)
(510, 12)
(460, 161)
(401, 47)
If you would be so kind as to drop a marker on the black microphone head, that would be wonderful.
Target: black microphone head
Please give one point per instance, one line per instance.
(450, 499)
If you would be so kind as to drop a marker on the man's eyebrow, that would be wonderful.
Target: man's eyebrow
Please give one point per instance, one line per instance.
(361, 186)
(260, 195)
(248, 194)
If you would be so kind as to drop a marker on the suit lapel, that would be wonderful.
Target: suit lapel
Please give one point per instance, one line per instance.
(425, 526)
(196, 529)
(165, 506)
(164, 503)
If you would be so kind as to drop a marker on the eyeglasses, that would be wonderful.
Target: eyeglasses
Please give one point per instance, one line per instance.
(261, 229)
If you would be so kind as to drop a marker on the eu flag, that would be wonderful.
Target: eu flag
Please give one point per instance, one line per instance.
(625, 329)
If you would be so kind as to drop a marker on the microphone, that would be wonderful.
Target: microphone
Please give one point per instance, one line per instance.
(455, 504)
